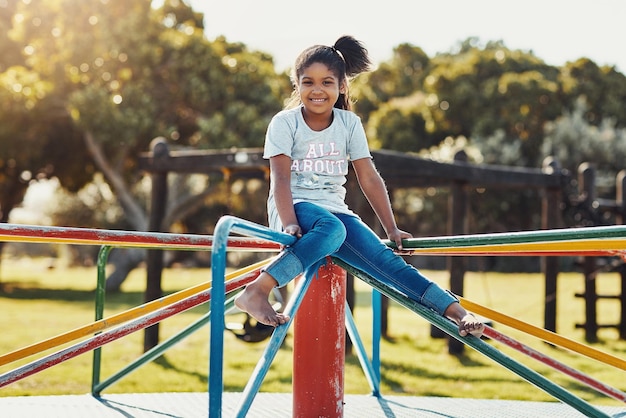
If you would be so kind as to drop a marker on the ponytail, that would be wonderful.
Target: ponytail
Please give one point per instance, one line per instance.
(354, 55)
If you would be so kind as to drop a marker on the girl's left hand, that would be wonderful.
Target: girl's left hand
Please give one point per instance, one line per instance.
(397, 236)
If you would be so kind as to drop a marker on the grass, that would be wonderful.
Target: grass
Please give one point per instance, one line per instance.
(38, 302)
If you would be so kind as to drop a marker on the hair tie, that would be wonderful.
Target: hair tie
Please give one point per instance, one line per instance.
(338, 52)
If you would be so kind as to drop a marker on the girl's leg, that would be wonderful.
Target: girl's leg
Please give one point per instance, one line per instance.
(364, 250)
(322, 234)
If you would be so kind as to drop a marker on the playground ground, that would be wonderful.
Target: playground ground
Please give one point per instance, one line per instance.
(278, 405)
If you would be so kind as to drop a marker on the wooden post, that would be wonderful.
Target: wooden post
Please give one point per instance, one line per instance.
(550, 219)
(587, 180)
(154, 262)
(457, 225)
(319, 346)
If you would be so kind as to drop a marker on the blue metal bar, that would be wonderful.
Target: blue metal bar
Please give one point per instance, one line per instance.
(224, 226)
(278, 336)
(370, 373)
(377, 309)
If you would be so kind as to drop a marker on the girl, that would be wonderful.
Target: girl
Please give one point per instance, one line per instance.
(309, 145)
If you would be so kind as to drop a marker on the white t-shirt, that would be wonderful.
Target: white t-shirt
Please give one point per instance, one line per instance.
(319, 158)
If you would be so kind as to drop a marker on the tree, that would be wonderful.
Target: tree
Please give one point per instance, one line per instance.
(120, 73)
(603, 88)
(480, 91)
(572, 140)
(400, 125)
(401, 76)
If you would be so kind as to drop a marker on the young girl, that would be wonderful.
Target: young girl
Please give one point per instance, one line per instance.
(309, 145)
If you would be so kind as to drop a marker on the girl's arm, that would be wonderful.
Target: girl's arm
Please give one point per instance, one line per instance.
(280, 177)
(375, 191)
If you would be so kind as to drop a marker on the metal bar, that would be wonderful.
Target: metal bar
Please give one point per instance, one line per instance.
(377, 310)
(103, 256)
(106, 337)
(237, 278)
(545, 335)
(608, 240)
(614, 233)
(155, 352)
(449, 328)
(224, 226)
(278, 336)
(555, 364)
(368, 369)
(87, 236)
(103, 338)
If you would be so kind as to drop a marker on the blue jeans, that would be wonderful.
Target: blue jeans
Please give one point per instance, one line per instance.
(349, 239)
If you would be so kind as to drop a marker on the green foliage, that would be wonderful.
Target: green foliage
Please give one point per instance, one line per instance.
(481, 91)
(400, 77)
(399, 125)
(602, 88)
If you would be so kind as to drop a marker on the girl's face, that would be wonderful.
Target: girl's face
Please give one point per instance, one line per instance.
(319, 89)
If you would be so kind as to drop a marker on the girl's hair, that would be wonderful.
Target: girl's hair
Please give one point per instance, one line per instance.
(347, 58)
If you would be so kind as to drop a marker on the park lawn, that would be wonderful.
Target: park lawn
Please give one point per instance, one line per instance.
(38, 302)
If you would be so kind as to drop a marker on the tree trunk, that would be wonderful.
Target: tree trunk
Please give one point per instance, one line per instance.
(13, 194)
(124, 260)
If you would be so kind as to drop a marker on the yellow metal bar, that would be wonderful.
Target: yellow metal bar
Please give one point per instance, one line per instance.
(543, 334)
(119, 318)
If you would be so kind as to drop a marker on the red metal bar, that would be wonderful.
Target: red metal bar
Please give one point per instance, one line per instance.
(32, 233)
(122, 331)
(530, 352)
(319, 346)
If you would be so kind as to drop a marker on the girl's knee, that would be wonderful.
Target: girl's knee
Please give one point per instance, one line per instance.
(332, 228)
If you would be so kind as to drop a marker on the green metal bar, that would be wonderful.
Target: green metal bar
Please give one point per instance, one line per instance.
(103, 256)
(476, 343)
(523, 237)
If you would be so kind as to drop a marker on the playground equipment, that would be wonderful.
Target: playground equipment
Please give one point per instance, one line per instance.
(585, 241)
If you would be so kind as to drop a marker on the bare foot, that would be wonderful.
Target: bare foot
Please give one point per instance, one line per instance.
(469, 324)
(253, 300)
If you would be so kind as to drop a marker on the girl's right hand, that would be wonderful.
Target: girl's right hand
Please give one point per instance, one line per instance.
(293, 229)
(397, 235)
